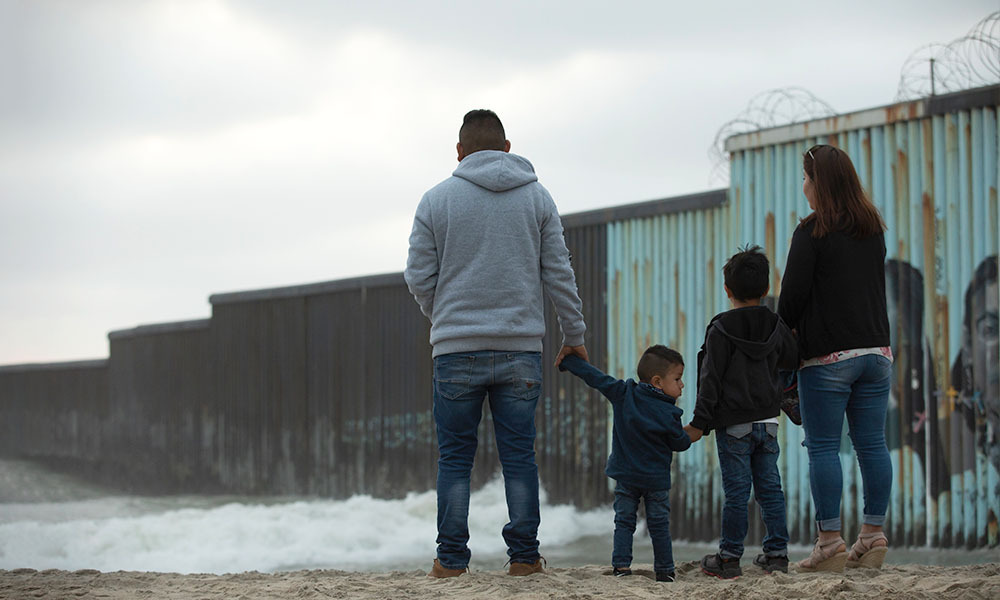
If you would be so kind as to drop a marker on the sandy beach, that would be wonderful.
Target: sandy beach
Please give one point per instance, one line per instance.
(894, 581)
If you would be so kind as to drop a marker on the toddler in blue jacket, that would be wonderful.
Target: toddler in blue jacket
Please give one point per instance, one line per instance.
(647, 430)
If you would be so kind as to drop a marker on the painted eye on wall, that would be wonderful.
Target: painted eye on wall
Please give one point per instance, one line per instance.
(988, 327)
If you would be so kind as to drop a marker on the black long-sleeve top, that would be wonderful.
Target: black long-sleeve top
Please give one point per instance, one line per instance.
(833, 292)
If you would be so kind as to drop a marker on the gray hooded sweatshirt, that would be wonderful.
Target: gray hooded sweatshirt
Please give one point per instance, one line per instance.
(485, 244)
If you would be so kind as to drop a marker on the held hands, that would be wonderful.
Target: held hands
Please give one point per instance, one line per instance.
(580, 351)
(693, 432)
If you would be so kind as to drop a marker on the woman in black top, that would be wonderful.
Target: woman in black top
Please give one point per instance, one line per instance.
(833, 295)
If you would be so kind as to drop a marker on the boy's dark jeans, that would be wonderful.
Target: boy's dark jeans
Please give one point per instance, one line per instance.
(657, 522)
(748, 454)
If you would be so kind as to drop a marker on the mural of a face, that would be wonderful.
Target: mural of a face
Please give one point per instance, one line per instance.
(980, 344)
(977, 371)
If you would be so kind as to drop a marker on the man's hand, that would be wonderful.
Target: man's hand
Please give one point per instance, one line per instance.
(580, 351)
(693, 432)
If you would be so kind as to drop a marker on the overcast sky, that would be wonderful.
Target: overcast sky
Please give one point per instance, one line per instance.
(154, 153)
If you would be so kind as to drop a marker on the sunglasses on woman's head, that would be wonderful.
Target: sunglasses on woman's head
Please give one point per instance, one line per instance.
(818, 146)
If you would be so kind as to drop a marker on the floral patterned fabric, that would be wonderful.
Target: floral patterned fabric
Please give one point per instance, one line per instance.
(840, 355)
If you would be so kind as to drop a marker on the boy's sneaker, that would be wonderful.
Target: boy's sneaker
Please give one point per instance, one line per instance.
(667, 576)
(723, 568)
(622, 572)
(770, 564)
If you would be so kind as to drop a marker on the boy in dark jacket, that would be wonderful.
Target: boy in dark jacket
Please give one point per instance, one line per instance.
(739, 394)
(647, 430)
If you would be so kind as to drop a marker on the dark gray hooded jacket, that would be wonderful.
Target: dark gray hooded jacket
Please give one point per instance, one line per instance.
(738, 367)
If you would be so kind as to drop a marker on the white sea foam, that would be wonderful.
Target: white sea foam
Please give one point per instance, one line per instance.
(49, 521)
(194, 534)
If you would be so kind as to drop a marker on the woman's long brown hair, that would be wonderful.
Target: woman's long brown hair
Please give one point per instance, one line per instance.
(841, 202)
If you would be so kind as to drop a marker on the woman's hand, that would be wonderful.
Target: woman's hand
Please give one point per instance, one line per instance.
(693, 432)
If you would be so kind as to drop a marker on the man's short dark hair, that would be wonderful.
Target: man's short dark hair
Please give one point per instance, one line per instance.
(481, 130)
(657, 360)
(746, 273)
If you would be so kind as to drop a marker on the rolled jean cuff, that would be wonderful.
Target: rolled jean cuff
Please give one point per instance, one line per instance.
(875, 520)
(830, 524)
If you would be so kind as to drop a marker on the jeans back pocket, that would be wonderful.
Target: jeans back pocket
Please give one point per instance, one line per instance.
(526, 369)
(453, 375)
(739, 430)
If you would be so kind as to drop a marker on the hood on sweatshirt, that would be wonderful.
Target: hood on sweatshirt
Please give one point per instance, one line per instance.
(495, 170)
(752, 329)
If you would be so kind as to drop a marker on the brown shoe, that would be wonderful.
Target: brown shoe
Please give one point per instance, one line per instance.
(519, 569)
(438, 571)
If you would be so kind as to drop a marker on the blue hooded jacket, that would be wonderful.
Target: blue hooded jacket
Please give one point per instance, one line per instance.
(647, 427)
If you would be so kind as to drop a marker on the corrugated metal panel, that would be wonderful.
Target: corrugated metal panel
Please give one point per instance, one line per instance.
(260, 387)
(573, 422)
(327, 390)
(56, 412)
(159, 436)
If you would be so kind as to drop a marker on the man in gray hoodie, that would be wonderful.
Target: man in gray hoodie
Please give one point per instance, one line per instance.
(486, 243)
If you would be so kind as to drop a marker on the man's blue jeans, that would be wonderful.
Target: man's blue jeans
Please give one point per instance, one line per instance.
(657, 522)
(748, 454)
(513, 381)
(859, 388)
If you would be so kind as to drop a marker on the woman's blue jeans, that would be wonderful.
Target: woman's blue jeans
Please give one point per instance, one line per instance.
(513, 381)
(858, 388)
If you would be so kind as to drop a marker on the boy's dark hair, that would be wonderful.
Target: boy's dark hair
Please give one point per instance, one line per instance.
(657, 360)
(481, 130)
(746, 273)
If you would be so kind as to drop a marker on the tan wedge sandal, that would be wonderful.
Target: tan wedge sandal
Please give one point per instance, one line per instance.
(828, 556)
(864, 552)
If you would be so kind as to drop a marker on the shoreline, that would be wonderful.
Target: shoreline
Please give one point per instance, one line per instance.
(907, 581)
